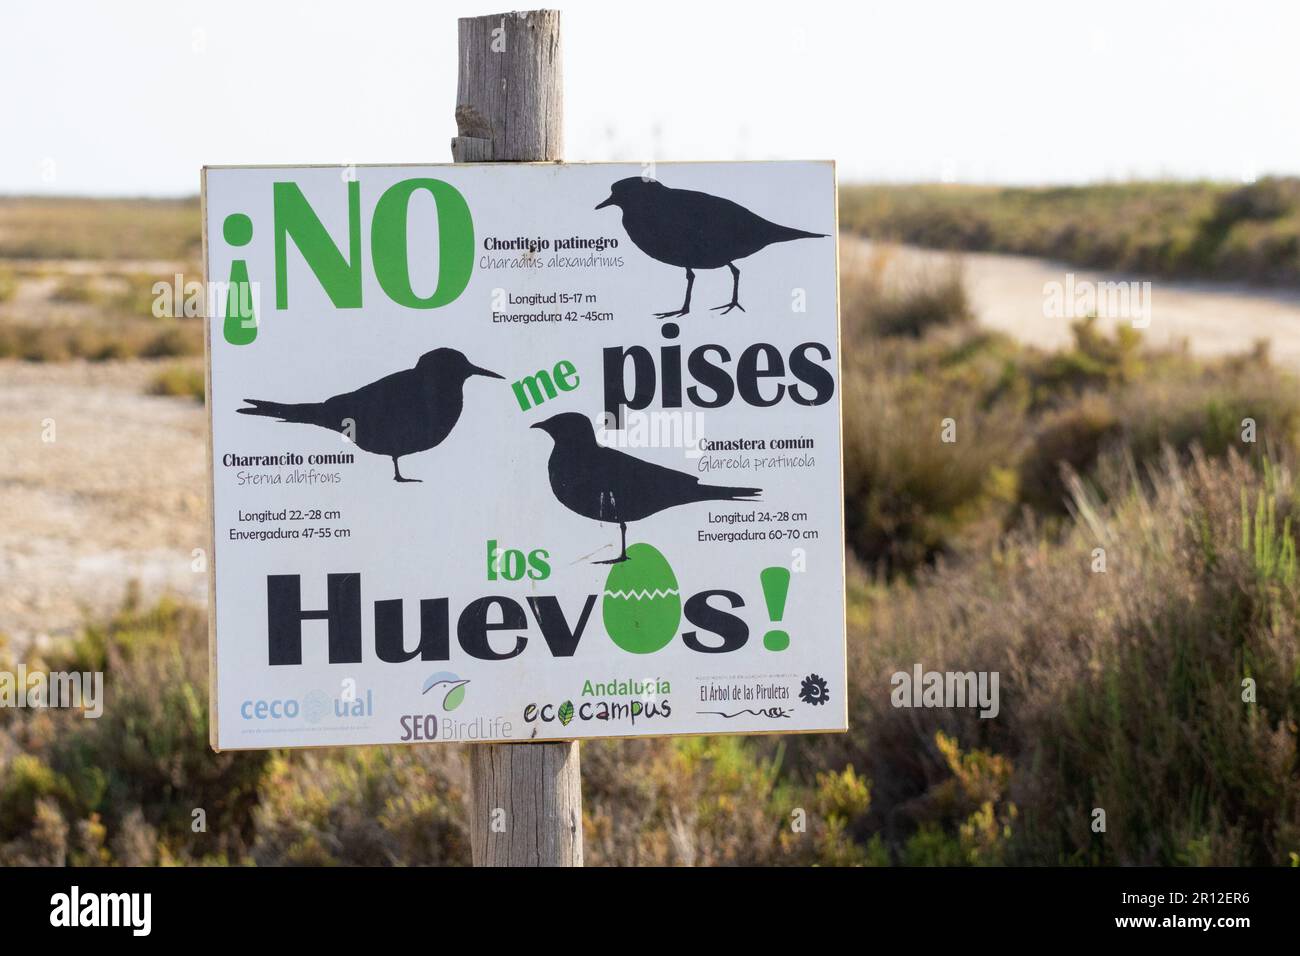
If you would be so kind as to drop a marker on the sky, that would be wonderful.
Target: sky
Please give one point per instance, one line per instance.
(133, 97)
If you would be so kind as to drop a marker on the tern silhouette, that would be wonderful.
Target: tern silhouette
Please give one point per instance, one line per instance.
(400, 414)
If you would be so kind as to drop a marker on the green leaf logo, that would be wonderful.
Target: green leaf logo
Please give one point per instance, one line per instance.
(566, 712)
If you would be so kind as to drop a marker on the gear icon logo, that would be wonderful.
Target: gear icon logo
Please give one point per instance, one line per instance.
(814, 691)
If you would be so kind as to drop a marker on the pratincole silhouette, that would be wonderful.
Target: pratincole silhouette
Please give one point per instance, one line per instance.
(605, 484)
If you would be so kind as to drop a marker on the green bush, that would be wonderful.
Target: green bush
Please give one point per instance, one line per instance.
(181, 381)
(1072, 438)
(57, 228)
(1099, 533)
(693, 802)
(144, 766)
(1121, 683)
(1194, 229)
(365, 806)
(878, 302)
(99, 341)
(908, 492)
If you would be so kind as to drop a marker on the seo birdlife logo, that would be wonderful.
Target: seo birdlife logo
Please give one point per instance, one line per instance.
(448, 689)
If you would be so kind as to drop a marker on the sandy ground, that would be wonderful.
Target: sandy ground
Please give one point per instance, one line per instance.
(1007, 293)
(120, 493)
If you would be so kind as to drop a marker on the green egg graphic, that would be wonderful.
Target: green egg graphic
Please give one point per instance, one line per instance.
(642, 605)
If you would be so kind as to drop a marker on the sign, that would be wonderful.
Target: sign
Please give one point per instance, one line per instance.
(524, 452)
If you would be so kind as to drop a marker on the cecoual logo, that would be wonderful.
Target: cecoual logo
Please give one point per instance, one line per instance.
(314, 706)
(340, 274)
(272, 709)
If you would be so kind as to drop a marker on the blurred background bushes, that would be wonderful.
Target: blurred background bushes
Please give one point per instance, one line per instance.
(1121, 684)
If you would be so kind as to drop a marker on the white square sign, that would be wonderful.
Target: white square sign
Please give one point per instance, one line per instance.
(524, 452)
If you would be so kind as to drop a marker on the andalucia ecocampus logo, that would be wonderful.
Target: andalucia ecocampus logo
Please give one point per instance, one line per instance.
(340, 272)
(620, 700)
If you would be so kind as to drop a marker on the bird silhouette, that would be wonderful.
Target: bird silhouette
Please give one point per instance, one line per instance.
(400, 414)
(605, 484)
(694, 230)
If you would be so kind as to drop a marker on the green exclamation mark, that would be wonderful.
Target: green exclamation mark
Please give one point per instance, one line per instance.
(240, 327)
(776, 587)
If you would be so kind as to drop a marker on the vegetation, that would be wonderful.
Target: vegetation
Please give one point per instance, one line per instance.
(1014, 416)
(1122, 689)
(183, 381)
(77, 278)
(112, 294)
(1110, 529)
(1199, 230)
(99, 342)
(140, 229)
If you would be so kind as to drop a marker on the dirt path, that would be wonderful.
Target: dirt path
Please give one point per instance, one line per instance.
(1008, 295)
(118, 494)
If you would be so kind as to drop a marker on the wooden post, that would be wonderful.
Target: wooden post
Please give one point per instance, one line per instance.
(510, 94)
(526, 798)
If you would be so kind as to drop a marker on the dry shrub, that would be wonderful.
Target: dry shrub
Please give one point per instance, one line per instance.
(1238, 405)
(1073, 437)
(57, 228)
(719, 801)
(364, 806)
(1196, 229)
(99, 341)
(136, 774)
(908, 493)
(705, 801)
(881, 298)
(1120, 690)
(180, 381)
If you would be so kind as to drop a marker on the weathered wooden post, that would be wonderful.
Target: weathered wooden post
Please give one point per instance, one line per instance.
(526, 799)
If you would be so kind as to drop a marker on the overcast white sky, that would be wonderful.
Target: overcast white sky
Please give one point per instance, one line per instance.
(132, 97)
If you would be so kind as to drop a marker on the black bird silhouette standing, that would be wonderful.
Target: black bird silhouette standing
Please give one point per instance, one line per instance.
(605, 484)
(400, 414)
(694, 230)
